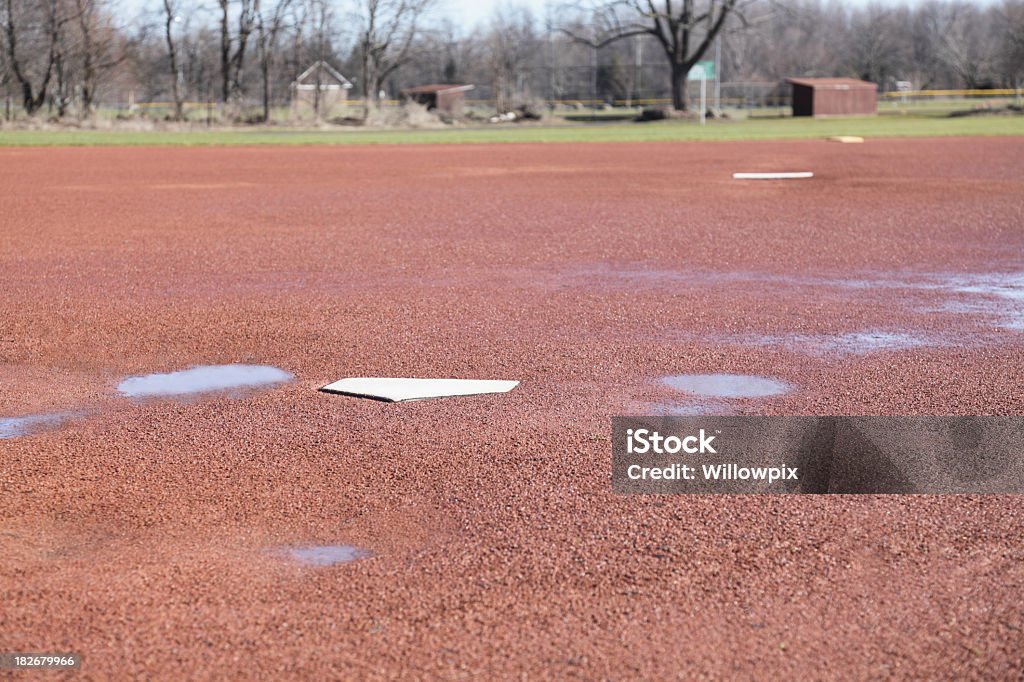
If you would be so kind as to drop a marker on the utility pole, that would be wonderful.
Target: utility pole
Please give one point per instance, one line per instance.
(718, 75)
(637, 59)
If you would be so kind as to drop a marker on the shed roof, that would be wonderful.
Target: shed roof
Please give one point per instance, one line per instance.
(328, 75)
(436, 87)
(833, 83)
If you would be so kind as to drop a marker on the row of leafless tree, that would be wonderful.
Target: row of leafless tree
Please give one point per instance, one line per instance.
(66, 57)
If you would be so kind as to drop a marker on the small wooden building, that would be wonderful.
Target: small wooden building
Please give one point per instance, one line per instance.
(833, 97)
(333, 89)
(448, 99)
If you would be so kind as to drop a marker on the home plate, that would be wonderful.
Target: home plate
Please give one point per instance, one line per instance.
(771, 176)
(395, 390)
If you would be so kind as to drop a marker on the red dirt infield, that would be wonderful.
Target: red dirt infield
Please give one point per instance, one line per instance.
(148, 535)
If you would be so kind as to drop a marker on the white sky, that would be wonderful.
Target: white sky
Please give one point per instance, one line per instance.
(462, 12)
(469, 12)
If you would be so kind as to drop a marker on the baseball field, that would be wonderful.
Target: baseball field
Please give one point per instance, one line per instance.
(478, 537)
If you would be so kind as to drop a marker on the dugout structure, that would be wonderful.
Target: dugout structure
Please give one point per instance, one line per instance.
(833, 97)
(445, 98)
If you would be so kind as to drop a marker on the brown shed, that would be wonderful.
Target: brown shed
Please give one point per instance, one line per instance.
(449, 99)
(833, 97)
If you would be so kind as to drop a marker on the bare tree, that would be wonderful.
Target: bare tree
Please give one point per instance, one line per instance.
(388, 30)
(962, 42)
(800, 40)
(5, 79)
(233, 46)
(269, 24)
(98, 38)
(322, 22)
(86, 11)
(40, 23)
(63, 68)
(63, 53)
(685, 30)
(171, 17)
(512, 42)
(874, 45)
(1011, 16)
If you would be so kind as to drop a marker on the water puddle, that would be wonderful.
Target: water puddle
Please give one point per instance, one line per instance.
(1004, 285)
(863, 343)
(203, 379)
(328, 555)
(994, 295)
(981, 294)
(852, 343)
(726, 385)
(13, 427)
(992, 299)
(999, 296)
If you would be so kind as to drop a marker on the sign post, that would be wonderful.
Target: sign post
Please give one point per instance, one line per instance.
(718, 76)
(702, 70)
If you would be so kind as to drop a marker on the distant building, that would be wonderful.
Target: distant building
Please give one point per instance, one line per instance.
(332, 86)
(833, 97)
(448, 99)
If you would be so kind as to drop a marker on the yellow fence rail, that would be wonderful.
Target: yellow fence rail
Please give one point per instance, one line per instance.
(1004, 92)
(165, 105)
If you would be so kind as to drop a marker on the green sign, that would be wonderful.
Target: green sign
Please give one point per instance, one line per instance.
(704, 70)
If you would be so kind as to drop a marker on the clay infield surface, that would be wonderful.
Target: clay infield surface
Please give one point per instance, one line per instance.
(150, 535)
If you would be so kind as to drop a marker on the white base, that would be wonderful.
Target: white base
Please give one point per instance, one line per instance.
(771, 176)
(396, 390)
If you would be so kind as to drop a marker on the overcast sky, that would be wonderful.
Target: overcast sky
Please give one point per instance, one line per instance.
(469, 12)
(462, 12)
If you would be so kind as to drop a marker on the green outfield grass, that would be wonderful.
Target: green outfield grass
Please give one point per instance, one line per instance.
(666, 131)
